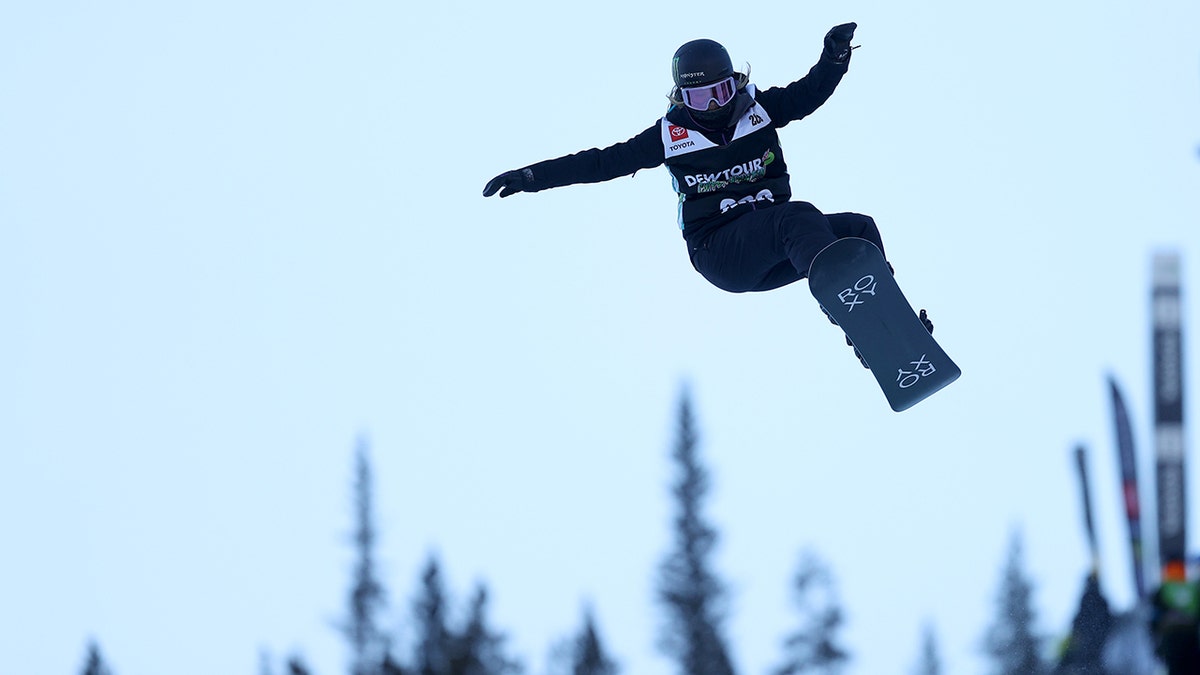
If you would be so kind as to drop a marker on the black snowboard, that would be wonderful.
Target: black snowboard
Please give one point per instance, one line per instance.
(853, 283)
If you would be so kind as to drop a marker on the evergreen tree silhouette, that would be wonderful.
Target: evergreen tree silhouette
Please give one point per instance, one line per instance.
(368, 644)
(688, 589)
(929, 663)
(477, 649)
(94, 662)
(590, 657)
(1011, 642)
(814, 648)
(296, 666)
(434, 641)
(583, 653)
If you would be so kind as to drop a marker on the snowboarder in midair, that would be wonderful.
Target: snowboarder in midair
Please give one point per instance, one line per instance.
(718, 138)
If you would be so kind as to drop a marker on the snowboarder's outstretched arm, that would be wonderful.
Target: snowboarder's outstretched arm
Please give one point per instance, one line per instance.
(800, 98)
(644, 151)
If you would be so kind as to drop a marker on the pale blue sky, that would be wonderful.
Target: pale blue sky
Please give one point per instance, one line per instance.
(234, 237)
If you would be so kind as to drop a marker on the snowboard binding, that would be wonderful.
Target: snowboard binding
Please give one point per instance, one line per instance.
(923, 316)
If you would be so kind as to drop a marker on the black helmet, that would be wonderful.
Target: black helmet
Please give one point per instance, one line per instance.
(700, 62)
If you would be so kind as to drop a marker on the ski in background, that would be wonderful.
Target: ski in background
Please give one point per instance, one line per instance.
(1127, 458)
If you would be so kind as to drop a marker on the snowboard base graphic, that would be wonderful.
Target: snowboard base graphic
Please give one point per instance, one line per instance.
(854, 285)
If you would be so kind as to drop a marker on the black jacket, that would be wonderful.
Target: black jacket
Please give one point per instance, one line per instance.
(721, 174)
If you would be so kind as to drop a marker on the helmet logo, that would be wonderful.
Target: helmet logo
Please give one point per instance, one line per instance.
(699, 62)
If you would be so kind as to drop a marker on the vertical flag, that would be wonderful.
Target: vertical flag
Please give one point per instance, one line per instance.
(1129, 485)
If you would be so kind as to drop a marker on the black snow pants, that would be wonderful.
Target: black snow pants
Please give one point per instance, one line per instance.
(772, 247)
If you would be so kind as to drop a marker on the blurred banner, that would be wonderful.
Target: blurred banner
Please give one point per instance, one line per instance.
(1168, 414)
(1127, 458)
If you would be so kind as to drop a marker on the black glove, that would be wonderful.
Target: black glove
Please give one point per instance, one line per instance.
(508, 183)
(837, 41)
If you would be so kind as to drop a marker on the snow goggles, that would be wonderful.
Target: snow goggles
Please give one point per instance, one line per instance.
(698, 98)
